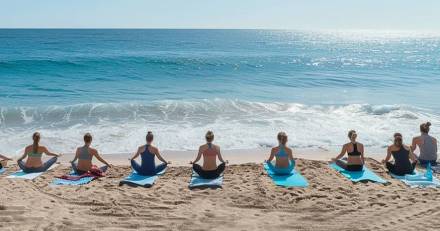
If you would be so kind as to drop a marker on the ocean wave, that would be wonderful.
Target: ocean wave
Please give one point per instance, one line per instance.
(180, 125)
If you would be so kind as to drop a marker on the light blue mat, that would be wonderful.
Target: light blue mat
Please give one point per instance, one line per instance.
(2, 170)
(364, 175)
(417, 183)
(295, 179)
(197, 181)
(136, 179)
(84, 180)
(28, 176)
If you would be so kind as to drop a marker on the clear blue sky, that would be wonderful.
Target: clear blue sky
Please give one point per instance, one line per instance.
(281, 14)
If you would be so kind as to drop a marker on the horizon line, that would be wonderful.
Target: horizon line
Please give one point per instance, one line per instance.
(207, 28)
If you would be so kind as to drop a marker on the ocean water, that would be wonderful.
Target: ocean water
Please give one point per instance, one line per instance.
(245, 85)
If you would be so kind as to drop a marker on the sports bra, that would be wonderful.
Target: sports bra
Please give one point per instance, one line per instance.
(35, 154)
(281, 151)
(211, 151)
(84, 154)
(355, 151)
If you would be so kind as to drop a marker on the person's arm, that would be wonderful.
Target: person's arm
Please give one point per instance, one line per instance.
(412, 156)
(435, 146)
(362, 154)
(100, 159)
(388, 157)
(47, 152)
(271, 156)
(4, 157)
(220, 156)
(160, 157)
(139, 151)
(76, 156)
(23, 156)
(199, 155)
(414, 144)
(291, 155)
(343, 151)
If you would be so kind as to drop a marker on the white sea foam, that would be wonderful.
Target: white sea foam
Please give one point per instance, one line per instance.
(181, 125)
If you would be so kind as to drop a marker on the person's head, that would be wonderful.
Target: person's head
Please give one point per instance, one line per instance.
(352, 135)
(36, 139)
(282, 138)
(149, 137)
(398, 139)
(424, 128)
(88, 138)
(209, 136)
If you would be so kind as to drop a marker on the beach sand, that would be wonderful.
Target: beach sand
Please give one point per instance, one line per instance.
(248, 201)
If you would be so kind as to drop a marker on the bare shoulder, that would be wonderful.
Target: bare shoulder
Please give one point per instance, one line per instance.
(42, 148)
(289, 149)
(28, 148)
(274, 149)
(203, 146)
(93, 151)
(154, 149)
(142, 148)
(360, 144)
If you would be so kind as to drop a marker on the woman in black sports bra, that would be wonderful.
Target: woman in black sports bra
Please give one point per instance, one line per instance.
(404, 159)
(355, 152)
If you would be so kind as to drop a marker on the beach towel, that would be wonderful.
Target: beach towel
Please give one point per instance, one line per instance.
(28, 176)
(294, 179)
(81, 181)
(139, 180)
(417, 180)
(197, 181)
(74, 179)
(2, 170)
(365, 175)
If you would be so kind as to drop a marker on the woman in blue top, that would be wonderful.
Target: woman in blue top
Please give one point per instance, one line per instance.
(284, 162)
(148, 152)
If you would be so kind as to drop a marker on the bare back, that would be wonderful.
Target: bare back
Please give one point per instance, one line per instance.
(34, 158)
(210, 153)
(85, 164)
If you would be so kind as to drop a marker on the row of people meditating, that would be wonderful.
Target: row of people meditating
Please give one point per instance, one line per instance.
(404, 158)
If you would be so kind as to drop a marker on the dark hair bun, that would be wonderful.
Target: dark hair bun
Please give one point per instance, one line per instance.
(428, 124)
(149, 132)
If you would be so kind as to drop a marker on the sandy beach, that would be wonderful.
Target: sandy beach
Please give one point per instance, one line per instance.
(248, 201)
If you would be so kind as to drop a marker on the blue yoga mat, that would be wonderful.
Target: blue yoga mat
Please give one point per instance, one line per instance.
(28, 176)
(136, 179)
(417, 180)
(294, 179)
(197, 181)
(364, 175)
(84, 180)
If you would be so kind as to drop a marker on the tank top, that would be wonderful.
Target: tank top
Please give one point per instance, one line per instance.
(428, 149)
(148, 158)
(401, 159)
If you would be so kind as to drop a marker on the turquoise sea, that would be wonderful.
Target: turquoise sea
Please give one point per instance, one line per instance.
(245, 85)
